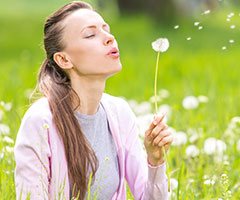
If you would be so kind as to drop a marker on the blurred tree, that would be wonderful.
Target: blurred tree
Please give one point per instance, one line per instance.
(165, 11)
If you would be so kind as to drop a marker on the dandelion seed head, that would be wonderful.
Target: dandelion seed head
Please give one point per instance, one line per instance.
(200, 28)
(232, 26)
(190, 102)
(224, 48)
(206, 12)
(196, 23)
(231, 41)
(192, 151)
(176, 27)
(189, 38)
(228, 19)
(160, 45)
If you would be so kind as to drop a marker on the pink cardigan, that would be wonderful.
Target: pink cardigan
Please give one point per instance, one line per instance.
(41, 167)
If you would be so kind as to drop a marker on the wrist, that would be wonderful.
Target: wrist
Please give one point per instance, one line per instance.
(155, 162)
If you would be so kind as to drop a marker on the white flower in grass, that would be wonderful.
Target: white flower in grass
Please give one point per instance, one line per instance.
(8, 140)
(4, 129)
(9, 149)
(192, 151)
(230, 15)
(231, 41)
(164, 108)
(179, 138)
(209, 182)
(173, 183)
(163, 93)
(1, 114)
(238, 145)
(202, 99)
(189, 38)
(214, 146)
(200, 27)
(233, 26)
(190, 102)
(160, 45)
(8, 106)
(143, 108)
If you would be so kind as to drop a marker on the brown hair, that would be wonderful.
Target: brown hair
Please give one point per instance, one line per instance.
(54, 83)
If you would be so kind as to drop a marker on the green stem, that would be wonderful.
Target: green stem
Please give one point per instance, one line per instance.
(155, 83)
(156, 110)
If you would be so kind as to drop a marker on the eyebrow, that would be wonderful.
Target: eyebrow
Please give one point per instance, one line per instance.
(94, 26)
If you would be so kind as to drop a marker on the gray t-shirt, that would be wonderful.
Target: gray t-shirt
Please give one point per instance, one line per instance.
(96, 129)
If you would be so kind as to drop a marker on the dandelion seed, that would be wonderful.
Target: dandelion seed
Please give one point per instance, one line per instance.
(231, 41)
(232, 26)
(206, 12)
(224, 48)
(189, 38)
(190, 102)
(200, 28)
(196, 23)
(176, 27)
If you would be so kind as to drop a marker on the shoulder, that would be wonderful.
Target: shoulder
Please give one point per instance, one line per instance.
(38, 111)
(118, 107)
(113, 101)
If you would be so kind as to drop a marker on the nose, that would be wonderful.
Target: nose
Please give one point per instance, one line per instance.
(109, 39)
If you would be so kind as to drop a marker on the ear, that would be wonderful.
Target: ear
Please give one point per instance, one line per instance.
(62, 60)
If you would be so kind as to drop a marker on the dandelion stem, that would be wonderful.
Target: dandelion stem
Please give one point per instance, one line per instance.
(155, 83)
(156, 110)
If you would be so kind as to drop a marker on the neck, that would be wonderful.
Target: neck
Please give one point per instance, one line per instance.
(89, 92)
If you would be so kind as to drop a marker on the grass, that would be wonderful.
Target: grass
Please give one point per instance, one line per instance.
(195, 67)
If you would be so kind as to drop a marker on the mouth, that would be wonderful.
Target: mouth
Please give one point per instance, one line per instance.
(114, 53)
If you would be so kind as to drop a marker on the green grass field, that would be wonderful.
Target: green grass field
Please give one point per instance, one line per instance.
(198, 66)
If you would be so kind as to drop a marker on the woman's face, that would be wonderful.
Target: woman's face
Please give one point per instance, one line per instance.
(90, 46)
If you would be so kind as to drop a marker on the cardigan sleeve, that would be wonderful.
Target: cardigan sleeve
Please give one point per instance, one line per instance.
(32, 155)
(145, 182)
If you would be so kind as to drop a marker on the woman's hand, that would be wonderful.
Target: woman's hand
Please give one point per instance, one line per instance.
(156, 137)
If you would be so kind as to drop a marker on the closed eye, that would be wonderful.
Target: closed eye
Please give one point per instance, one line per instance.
(90, 36)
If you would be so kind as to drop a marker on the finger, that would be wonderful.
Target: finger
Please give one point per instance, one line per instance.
(166, 140)
(160, 127)
(156, 120)
(159, 137)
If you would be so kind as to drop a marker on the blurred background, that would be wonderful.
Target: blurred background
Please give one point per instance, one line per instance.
(202, 62)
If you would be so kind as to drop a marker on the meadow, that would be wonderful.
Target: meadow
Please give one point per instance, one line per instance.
(202, 63)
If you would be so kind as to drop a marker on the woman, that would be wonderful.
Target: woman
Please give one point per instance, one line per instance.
(76, 135)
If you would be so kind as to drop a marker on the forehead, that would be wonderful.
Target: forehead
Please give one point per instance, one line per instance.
(82, 18)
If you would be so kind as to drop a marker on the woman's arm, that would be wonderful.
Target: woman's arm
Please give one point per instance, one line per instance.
(145, 181)
(32, 156)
